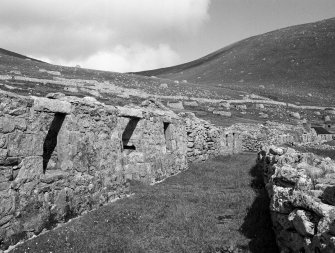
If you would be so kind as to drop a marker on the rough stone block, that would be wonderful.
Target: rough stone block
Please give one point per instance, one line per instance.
(10, 161)
(176, 105)
(3, 155)
(52, 105)
(3, 140)
(7, 204)
(280, 200)
(18, 111)
(190, 144)
(4, 186)
(136, 157)
(35, 223)
(302, 200)
(21, 144)
(6, 174)
(5, 220)
(301, 220)
(31, 168)
(20, 123)
(7, 125)
(130, 112)
(62, 205)
(51, 176)
(286, 173)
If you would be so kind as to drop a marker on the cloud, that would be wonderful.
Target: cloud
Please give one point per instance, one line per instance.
(96, 31)
(126, 59)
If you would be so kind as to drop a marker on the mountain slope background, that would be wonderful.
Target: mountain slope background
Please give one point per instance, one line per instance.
(13, 54)
(292, 63)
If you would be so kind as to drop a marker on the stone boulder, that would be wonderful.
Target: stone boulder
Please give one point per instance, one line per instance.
(225, 105)
(176, 105)
(71, 89)
(301, 220)
(330, 111)
(154, 104)
(259, 106)
(222, 113)
(295, 115)
(51, 105)
(163, 86)
(90, 100)
(302, 197)
(56, 95)
(241, 107)
(263, 115)
(191, 103)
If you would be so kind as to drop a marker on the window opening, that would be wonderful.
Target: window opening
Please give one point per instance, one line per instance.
(167, 135)
(128, 132)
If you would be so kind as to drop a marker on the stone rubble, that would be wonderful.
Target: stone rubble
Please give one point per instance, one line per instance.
(301, 187)
(222, 113)
(176, 105)
(255, 136)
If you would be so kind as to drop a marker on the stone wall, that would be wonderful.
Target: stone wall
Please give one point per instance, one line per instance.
(59, 159)
(62, 157)
(301, 187)
(325, 137)
(255, 136)
(205, 140)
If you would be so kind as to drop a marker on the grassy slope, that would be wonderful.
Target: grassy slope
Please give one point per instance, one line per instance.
(212, 207)
(30, 68)
(10, 61)
(289, 62)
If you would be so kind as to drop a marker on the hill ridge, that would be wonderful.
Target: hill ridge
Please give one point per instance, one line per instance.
(287, 34)
(21, 56)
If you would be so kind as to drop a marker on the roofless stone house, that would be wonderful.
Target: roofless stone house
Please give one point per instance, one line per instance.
(62, 157)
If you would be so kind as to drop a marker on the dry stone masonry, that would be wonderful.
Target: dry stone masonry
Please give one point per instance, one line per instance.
(206, 140)
(62, 157)
(255, 136)
(301, 187)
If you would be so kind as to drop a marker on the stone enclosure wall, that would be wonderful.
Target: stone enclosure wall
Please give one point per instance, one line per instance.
(256, 136)
(205, 140)
(62, 157)
(301, 187)
(326, 137)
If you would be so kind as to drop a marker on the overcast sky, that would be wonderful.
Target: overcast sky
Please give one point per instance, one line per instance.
(133, 35)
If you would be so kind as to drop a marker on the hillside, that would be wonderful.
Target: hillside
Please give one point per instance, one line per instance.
(290, 66)
(27, 76)
(294, 61)
(13, 54)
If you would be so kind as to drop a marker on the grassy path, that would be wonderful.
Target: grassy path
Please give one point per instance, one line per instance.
(216, 206)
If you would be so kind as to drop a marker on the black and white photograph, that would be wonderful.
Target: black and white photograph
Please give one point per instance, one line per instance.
(167, 126)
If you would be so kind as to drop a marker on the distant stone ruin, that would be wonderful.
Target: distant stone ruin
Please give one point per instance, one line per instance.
(62, 157)
(176, 105)
(256, 136)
